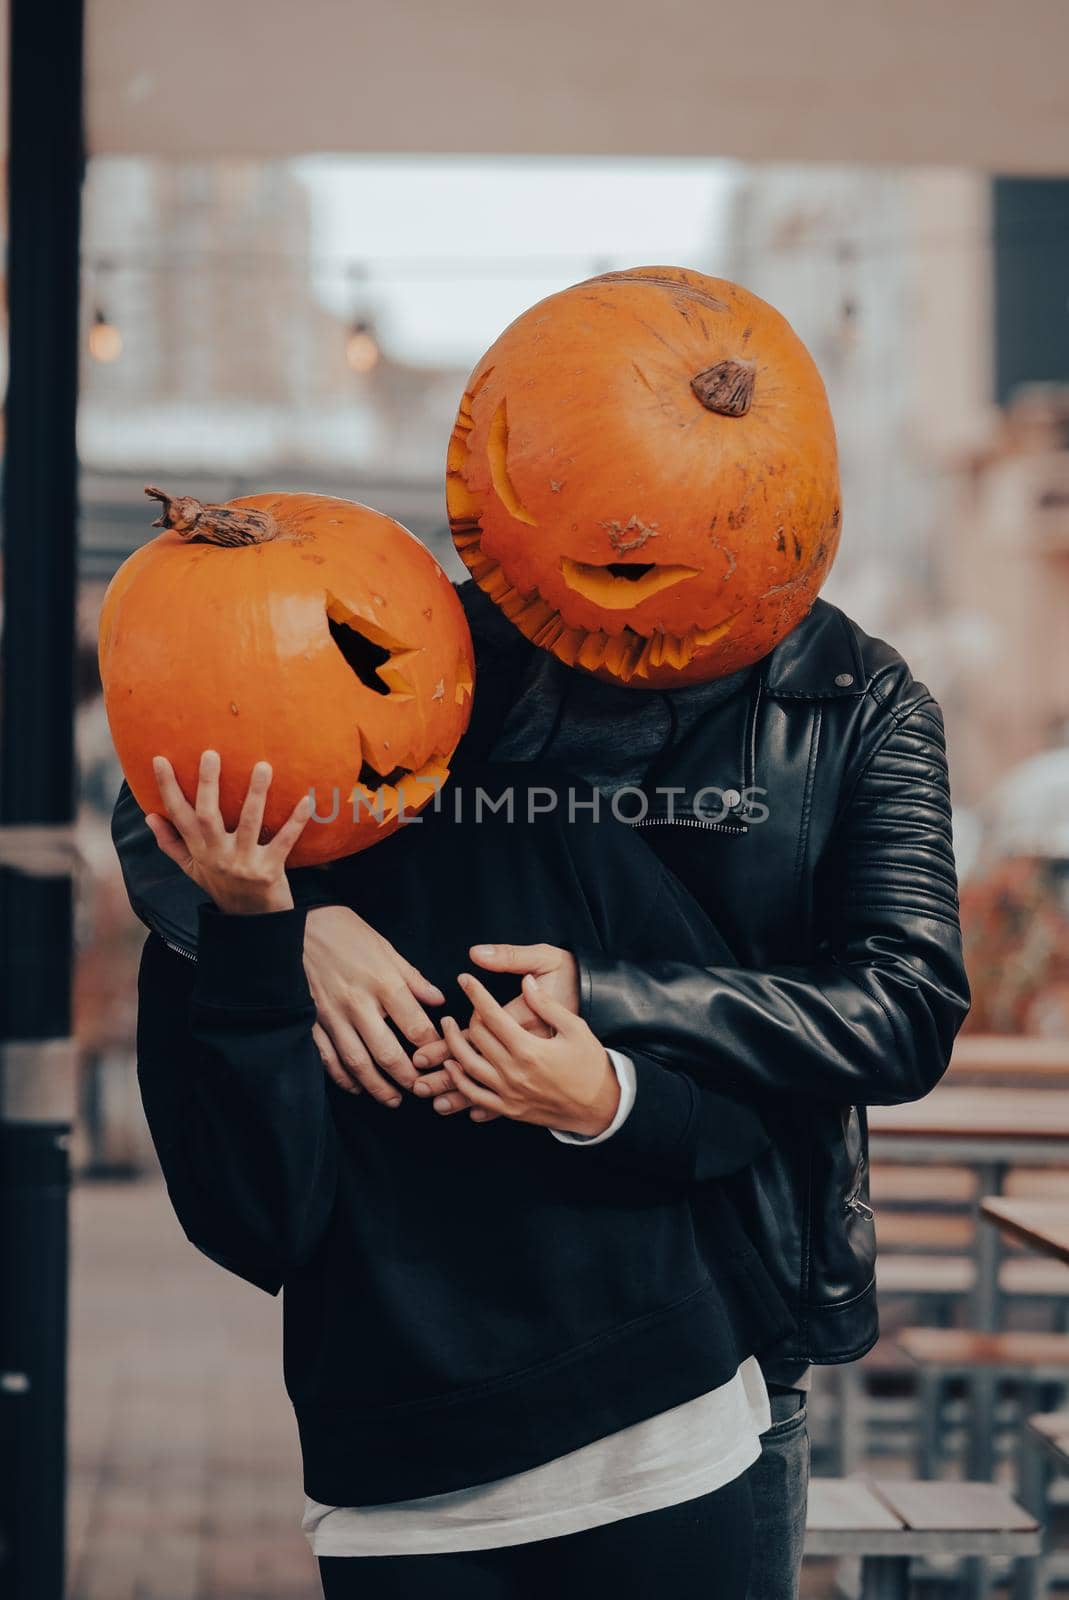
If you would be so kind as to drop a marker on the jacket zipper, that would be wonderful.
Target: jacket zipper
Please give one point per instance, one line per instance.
(689, 822)
(190, 955)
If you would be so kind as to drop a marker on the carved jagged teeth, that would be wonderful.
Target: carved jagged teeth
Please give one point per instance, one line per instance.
(618, 654)
(549, 633)
(592, 651)
(533, 615)
(513, 603)
(641, 669)
(566, 648)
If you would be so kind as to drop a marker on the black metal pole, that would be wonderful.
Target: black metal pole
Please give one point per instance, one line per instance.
(45, 165)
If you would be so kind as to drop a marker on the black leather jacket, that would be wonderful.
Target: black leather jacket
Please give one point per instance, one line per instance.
(840, 905)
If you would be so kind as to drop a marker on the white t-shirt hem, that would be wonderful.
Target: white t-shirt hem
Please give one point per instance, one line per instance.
(691, 1450)
(551, 1524)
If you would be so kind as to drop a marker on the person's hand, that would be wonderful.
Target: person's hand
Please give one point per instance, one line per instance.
(565, 1081)
(357, 980)
(242, 875)
(557, 972)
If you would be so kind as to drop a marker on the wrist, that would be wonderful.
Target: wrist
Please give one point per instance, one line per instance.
(603, 1107)
(250, 900)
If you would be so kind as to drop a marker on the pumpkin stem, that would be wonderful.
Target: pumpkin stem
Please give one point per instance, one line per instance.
(226, 525)
(726, 388)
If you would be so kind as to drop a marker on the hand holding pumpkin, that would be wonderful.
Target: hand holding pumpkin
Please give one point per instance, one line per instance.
(565, 1081)
(242, 875)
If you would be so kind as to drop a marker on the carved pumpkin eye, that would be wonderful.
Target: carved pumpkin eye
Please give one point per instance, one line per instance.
(360, 654)
(368, 650)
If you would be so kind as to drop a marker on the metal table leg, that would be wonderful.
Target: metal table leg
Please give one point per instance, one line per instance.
(885, 1578)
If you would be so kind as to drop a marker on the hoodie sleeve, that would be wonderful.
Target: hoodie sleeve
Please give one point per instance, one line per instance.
(235, 1093)
(679, 1131)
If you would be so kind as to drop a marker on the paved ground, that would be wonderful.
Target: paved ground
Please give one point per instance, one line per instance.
(184, 1468)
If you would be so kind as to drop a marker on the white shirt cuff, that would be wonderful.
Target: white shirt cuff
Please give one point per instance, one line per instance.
(624, 1069)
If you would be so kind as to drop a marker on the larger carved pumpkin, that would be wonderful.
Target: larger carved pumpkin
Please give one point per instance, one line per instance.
(311, 632)
(643, 476)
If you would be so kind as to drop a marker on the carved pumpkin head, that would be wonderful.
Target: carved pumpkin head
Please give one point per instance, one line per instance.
(310, 632)
(643, 476)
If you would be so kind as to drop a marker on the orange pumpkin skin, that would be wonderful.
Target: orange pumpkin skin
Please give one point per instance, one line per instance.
(231, 648)
(583, 448)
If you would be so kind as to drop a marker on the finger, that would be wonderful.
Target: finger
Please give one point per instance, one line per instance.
(488, 1045)
(169, 840)
(430, 1055)
(447, 1105)
(470, 1060)
(356, 1062)
(251, 819)
(496, 1018)
(559, 1017)
(409, 1015)
(432, 1083)
(480, 1114)
(383, 1048)
(472, 1090)
(515, 957)
(291, 830)
(175, 803)
(335, 1066)
(423, 989)
(520, 1012)
(207, 805)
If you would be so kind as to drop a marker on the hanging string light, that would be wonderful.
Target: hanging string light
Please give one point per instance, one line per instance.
(105, 340)
(362, 348)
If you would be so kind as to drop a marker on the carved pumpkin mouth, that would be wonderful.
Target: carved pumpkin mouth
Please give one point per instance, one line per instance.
(627, 656)
(619, 585)
(384, 794)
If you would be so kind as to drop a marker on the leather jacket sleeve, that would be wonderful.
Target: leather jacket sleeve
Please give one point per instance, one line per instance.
(873, 1019)
(166, 901)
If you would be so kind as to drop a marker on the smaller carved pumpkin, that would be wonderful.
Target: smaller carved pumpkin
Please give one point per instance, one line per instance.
(643, 477)
(310, 632)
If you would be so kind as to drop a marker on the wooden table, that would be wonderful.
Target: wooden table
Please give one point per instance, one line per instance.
(1009, 1058)
(977, 1124)
(990, 1130)
(1043, 1225)
(885, 1522)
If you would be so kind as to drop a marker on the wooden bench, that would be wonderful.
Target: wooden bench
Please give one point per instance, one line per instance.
(1044, 1452)
(945, 1353)
(886, 1522)
(952, 1277)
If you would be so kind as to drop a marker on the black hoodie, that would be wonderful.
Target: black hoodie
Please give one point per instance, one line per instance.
(462, 1302)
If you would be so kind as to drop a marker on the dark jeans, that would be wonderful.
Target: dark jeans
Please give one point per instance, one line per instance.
(699, 1550)
(780, 1481)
